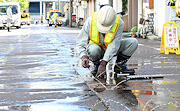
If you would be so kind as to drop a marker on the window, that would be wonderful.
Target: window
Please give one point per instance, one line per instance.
(3, 9)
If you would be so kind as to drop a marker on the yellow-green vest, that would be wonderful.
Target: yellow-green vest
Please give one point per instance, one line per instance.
(47, 16)
(94, 33)
(172, 1)
(55, 15)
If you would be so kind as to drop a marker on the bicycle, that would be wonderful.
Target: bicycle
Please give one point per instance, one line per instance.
(144, 29)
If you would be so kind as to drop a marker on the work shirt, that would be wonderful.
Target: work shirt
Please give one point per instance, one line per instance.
(83, 40)
(9, 12)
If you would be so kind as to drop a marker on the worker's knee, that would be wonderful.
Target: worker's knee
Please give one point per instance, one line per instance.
(128, 46)
(94, 52)
(132, 42)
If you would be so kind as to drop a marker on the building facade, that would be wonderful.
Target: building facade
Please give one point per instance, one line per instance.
(92, 6)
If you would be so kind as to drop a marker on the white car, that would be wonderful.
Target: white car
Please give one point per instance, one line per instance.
(16, 14)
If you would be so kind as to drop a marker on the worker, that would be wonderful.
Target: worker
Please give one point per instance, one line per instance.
(24, 15)
(41, 20)
(100, 40)
(172, 15)
(9, 17)
(55, 16)
(47, 18)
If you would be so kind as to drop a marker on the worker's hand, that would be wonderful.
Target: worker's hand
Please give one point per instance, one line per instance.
(85, 61)
(101, 69)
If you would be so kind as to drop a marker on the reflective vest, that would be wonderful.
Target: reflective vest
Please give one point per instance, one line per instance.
(94, 33)
(55, 15)
(173, 3)
(47, 16)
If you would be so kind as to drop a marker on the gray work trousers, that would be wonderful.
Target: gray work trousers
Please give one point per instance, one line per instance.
(55, 20)
(127, 47)
(9, 20)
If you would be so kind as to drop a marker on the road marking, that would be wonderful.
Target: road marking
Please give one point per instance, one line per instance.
(149, 47)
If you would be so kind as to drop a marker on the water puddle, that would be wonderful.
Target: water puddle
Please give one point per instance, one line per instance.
(139, 92)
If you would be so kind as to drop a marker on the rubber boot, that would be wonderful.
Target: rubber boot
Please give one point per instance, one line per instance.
(95, 68)
(119, 67)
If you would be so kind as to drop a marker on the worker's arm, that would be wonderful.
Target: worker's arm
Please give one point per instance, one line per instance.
(83, 39)
(114, 46)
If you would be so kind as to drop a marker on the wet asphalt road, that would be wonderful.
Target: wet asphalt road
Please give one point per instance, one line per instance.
(37, 73)
(40, 71)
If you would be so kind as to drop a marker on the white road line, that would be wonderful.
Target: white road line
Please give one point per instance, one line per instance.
(150, 47)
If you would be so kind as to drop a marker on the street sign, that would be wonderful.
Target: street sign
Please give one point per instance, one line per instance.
(84, 4)
(170, 38)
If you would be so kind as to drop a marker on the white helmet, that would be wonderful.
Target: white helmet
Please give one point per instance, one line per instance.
(106, 18)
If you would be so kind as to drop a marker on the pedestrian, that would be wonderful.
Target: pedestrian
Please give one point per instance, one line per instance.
(36, 22)
(41, 20)
(100, 40)
(55, 16)
(47, 18)
(9, 17)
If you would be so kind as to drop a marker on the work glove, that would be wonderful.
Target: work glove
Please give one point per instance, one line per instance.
(101, 69)
(85, 61)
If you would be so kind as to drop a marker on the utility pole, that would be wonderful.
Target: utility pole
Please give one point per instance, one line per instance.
(84, 5)
(85, 14)
(40, 9)
(70, 13)
(59, 4)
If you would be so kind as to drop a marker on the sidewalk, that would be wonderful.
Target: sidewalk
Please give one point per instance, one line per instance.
(149, 36)
(153, 37)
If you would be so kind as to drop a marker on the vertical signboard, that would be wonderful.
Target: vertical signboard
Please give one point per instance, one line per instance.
(84, 4)
(170, 38)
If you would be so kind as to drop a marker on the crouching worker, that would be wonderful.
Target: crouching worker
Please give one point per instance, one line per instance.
(100, 40)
